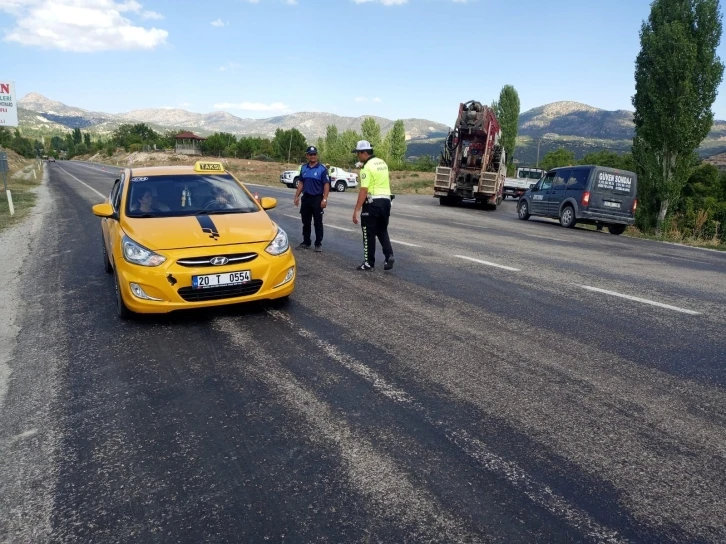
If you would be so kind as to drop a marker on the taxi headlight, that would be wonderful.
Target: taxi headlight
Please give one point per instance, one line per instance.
(279, 244)
(136, 254)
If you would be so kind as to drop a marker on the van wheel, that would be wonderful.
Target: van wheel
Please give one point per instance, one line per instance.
(523, 210)
(340, 186)
(616, 229)
(567, 217)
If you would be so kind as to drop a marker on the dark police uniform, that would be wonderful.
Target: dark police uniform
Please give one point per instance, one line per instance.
(313, 180)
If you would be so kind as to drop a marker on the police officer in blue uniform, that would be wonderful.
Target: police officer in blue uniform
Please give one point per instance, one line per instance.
(314, 186)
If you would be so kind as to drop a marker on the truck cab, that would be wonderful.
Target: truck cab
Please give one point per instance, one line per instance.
(524, 178)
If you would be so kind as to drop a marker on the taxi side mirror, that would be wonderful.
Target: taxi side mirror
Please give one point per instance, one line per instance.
(104, 210)
(268, 202)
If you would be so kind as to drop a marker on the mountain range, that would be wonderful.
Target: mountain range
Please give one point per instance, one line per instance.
(573, 125)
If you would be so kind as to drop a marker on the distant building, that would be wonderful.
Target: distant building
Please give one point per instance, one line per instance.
(188, 143)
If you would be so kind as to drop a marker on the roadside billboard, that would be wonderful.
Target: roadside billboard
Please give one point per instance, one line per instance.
(8, 104)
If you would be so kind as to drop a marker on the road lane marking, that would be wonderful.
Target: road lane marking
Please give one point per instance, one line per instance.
(404, 243)
(538, 492)
(407, 215)
(324, 225)
(83, 183)
(637, 299)
(487, 263)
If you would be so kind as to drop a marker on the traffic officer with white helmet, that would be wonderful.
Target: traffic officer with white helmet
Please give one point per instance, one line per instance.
(374, 205)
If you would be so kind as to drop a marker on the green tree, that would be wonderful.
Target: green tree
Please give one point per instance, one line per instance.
(507, 111)
(347, 142)
(371, 131)
(77, 136)
(217, 143)
(558, 157)
(677, 73)
(87, 139)
(384, 150)
(289, 144)
(397, 143)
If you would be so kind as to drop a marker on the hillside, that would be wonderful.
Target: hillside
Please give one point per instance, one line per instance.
(37, 110)
(579, 127)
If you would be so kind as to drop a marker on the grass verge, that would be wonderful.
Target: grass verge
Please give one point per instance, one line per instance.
(21, 184)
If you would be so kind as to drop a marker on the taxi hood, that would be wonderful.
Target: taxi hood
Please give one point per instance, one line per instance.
(159, 233)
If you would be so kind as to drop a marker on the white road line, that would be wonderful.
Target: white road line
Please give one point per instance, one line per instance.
(404, 243)
(324, 224)
(637, 299)
(393, 214)
(538, 492)
(487, 263)
(84, 183)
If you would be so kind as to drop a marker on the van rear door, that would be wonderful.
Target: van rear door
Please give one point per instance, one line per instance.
(613, 192)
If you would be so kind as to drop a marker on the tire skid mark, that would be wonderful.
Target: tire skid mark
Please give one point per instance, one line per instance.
(374, 474)
(539, 493)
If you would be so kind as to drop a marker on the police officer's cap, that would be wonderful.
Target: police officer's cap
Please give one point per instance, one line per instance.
(363, 145)
(312, 150)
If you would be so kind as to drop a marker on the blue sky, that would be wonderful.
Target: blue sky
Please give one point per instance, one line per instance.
(414, 58)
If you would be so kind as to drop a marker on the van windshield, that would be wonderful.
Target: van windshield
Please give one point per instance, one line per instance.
(619, 183)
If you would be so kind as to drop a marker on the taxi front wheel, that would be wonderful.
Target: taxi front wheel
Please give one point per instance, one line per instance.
(121, 309)
(106, 262)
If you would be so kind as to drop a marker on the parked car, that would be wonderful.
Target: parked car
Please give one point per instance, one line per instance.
(592, 195)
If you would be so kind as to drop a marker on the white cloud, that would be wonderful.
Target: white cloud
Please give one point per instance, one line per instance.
(151, 15)
(365, 99)
(376, 99)
(291, 2)
(82, 25)
(218, 23)
(184, 104)
(252, 106)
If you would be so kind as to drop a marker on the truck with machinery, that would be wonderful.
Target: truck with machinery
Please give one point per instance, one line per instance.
(472, 165)
(524, 178)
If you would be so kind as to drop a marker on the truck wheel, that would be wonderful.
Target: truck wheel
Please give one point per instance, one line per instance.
(340, 186)
(523, 210)
(616, 229)
(567, 217)
(296, 182)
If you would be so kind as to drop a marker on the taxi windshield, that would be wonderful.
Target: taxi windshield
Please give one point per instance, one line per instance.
(178, 195)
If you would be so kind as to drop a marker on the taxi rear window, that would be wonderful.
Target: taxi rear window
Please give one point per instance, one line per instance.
(178, 195)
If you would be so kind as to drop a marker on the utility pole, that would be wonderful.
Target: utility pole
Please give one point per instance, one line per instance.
(539, 140)
(289, 148)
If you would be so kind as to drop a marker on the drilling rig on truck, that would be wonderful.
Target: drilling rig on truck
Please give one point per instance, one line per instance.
(472, 165)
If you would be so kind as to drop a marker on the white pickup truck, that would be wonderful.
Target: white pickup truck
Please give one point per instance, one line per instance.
(340, 180)
(524, 178)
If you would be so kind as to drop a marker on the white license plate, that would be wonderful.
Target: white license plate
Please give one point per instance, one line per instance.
(220, 280)
(611, 204)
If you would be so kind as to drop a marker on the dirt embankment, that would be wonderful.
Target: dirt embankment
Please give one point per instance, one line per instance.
(264, 173)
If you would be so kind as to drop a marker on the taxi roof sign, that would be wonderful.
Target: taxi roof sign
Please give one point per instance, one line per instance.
(206, 166)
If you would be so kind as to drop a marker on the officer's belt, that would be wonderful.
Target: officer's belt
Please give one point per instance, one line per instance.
(387, 197)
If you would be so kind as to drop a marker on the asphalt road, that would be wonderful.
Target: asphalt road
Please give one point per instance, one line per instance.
(507, 381)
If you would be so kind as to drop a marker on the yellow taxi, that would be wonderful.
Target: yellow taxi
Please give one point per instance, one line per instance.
(179, 237)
